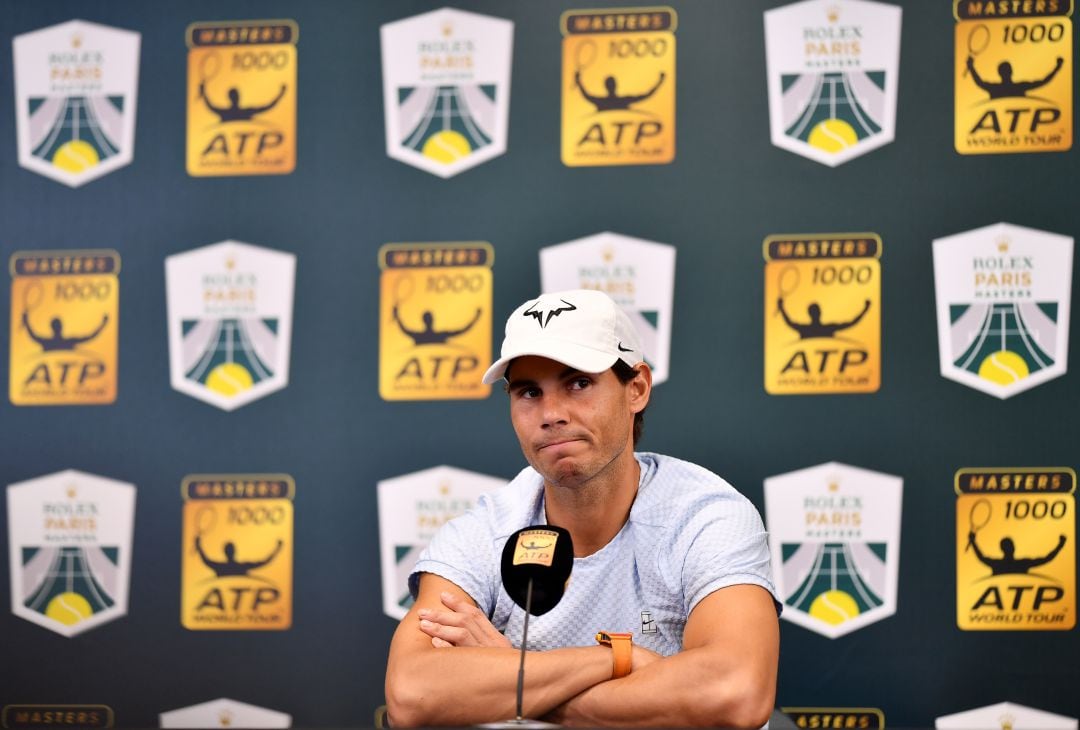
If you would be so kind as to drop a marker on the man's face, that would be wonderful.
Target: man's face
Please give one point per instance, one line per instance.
(571, 425)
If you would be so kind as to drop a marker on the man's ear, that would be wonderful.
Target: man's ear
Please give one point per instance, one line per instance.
(640, 387)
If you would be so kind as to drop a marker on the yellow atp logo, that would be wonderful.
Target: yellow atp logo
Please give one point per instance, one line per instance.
(1013, 77)
(242, 98)
(618, 104)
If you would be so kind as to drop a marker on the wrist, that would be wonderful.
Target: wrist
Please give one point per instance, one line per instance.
(622, 651)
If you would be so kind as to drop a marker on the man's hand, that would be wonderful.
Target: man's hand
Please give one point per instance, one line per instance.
(459, 624)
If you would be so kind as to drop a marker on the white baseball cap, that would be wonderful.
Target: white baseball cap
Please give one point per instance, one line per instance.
(582, 328)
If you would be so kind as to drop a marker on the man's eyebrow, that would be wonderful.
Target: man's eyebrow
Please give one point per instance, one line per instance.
(564, 375)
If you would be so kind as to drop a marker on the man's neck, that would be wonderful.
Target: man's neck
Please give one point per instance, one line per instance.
(596, 510)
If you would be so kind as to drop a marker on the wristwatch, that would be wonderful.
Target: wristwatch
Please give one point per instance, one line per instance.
(622, 651)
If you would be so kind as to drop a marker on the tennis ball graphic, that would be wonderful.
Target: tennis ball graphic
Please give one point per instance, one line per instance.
(69, 609)
(229, 379)
(834, 607)
(75, 156)
(833, 135)
(1003, 367)
(447, 146)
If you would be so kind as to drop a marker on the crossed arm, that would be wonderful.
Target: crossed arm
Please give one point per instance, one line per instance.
(449, 666)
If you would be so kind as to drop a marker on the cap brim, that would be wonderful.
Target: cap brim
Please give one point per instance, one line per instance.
(585, 359)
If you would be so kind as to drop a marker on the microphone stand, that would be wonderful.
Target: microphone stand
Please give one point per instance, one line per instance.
(520, 721)
(524, 641)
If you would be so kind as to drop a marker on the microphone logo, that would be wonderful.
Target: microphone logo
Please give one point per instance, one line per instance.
(535, 547)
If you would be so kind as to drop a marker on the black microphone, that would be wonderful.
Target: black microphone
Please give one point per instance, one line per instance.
(542, 555)
(536, 565)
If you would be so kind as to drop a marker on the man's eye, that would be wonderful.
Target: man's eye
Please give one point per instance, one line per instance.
(580, 383)
(529, 392)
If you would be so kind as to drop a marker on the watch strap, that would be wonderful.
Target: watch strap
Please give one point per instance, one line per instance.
(622, 651)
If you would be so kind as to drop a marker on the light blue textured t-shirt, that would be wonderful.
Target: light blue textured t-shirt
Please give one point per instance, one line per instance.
(689, 533)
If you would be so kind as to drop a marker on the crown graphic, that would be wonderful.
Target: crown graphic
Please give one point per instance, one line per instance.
(608, 254)
(1003, 244)
(448, 29)
(1006, 721)
(76, 40)
(444, 488)
(71, 492)
(833, 13)
(225, 718)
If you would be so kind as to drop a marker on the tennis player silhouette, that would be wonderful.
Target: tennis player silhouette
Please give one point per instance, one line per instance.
(1007, 87)
(815, 327)
(1008, 563)
(58, 341)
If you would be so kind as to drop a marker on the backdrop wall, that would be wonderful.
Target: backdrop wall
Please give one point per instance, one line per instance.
(727, 189)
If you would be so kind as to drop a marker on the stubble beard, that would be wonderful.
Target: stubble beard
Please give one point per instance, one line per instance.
(582, 485)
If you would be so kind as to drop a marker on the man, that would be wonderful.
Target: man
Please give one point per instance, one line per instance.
(664, 550)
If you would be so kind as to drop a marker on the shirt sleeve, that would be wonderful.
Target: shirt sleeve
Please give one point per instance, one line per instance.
(727, 546)
(462, 553)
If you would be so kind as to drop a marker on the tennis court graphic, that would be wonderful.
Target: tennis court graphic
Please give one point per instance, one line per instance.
(69, 548)
(835, 582)
(833, 71)
(1004, 342)
(75, 98)
(230, 322)
(834, 535)
(446, 89)
(229, 356)
(446, 123)
(833, 111)
(1002, 299)
(69, 584)
(76, 132)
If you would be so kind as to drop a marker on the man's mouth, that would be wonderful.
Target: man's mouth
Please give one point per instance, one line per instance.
(557, 442)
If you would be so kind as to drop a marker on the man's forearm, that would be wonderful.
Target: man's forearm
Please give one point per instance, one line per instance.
(466, 685)
(696, 687)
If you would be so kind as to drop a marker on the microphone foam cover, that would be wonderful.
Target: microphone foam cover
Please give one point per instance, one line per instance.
(544, 553)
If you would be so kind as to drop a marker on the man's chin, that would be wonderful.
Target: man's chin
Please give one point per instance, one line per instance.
(564, 472)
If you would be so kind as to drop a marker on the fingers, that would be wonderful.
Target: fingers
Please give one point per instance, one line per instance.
(454, 603)
(459, 624)
(440, 643)
(459, 618)
(462, 613)
(449, 635)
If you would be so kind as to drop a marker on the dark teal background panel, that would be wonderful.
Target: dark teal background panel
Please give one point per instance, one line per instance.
(727, 189)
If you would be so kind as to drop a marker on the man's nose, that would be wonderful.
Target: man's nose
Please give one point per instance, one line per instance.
(554, 411)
